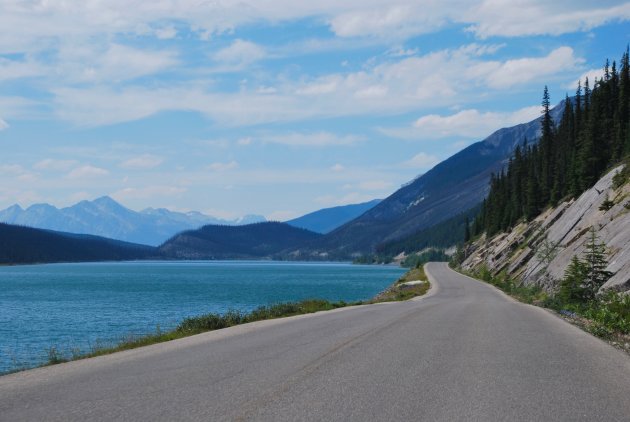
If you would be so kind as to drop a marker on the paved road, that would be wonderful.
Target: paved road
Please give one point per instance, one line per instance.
(464, 352)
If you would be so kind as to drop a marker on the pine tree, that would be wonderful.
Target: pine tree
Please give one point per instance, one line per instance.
(593, 133)
(572, 284)
(595, 263)
(546, 141)
(467, 230)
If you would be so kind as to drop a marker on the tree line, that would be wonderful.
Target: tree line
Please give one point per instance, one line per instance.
(571, 155)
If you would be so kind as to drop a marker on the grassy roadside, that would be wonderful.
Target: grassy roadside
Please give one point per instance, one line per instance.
(214, 321)
(607, 317)
(401, 291)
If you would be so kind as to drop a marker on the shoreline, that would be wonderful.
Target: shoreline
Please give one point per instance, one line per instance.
(205, 323)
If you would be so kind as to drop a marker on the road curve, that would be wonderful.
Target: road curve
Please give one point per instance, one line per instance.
(464, 352)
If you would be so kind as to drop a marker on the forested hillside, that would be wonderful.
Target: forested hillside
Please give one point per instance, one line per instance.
(234, 242)
(592, 135)
(25, 245)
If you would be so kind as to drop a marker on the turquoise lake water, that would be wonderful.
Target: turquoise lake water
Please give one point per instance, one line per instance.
(77, 306)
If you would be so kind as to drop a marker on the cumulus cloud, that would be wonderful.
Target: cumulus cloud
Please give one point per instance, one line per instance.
(87, 172)
(142, 162)
(591, 75)
(89, 62)
(470, 123)
(512, 72)
(395, 85)
(391, 20)
(537, 17)
(28, 24)
(240, 53)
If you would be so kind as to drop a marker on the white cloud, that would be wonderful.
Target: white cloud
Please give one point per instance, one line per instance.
(142, 162)
(391, 20)
(470, 123)
(3, 125)
(29, 26)
(87, 172)
(13, 69)
(240, 53)
(223, 166)
(518, 71)
(89, 62)
(537, 17)
(422, 161)
(54, 164)
(337, 168)
(410, 83)
(166, 33)
(591, 75)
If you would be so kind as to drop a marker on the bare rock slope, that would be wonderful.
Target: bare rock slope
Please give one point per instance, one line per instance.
(539, 252)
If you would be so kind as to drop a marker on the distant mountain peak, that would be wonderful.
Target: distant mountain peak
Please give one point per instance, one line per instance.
(107, 201)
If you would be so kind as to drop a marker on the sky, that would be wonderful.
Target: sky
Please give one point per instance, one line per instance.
(273, 107)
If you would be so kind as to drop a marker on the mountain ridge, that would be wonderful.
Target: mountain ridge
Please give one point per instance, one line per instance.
(327, 219)
(107, 218)
(453, 186)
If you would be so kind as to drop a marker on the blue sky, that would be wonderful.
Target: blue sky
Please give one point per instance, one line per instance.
(273, 107)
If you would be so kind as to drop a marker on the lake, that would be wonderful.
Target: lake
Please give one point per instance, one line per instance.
(77, 306)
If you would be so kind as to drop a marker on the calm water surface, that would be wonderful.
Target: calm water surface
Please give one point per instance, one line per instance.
(77, 306)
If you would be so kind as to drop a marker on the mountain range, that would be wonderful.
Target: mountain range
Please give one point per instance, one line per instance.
(107, 218)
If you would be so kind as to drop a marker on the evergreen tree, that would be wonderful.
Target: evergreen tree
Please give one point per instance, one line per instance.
(595, 263)
(467, 230)
(593, 134)
(572, 284)
(546, 141)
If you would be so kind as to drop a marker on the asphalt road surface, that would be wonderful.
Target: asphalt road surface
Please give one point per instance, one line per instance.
(464, 352)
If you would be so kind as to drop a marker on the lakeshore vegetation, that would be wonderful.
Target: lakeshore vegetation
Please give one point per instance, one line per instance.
(398, 291)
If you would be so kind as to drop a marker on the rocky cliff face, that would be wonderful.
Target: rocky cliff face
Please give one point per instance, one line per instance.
(539, 252)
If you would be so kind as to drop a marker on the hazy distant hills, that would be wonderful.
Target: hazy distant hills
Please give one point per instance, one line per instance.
(450, 188)
(106, 217)
(25, 245)
(328, 219)
(236, 242)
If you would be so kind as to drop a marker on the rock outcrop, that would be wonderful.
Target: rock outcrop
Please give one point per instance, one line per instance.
(539, 252)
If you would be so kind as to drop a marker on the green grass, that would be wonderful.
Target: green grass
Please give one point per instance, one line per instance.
(398, 291)
(214, 321)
